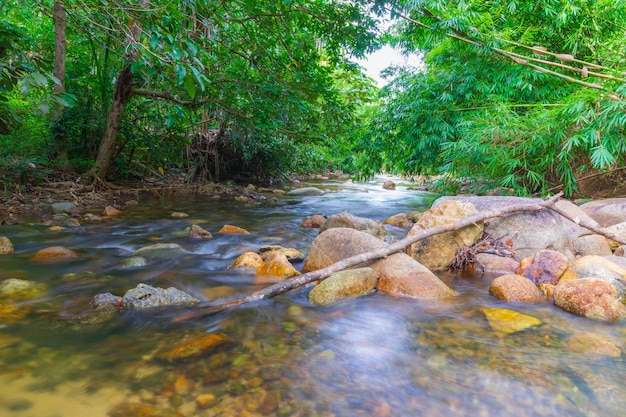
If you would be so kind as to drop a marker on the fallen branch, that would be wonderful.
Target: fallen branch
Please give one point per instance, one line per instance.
(321, 274)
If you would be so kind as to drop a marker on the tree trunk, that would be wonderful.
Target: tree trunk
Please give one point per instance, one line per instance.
(123, 93)
(59, 17)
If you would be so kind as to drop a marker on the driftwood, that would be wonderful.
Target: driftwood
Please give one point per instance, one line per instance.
(321, 274)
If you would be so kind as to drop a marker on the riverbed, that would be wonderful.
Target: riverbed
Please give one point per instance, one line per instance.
(373, 356)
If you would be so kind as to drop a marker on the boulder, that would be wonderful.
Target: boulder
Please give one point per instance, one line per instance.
(398, 220)
(346, 219)
(530, 232)
(402, 276)
(146, 296)
(6, 247)
(437, 252)
(399, 274)
(342, 285)
(316, 221)
(592, 245)
(598, 267)
(490, 263)
(593, 298)
(336, 244)
(276, 264)
(544, 267)
(515, 288)
(606, 212)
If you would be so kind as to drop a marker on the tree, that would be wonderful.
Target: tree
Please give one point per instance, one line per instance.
(514, 94)
(261, 70)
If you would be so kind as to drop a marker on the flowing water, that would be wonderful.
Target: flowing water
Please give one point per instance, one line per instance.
(374, 356)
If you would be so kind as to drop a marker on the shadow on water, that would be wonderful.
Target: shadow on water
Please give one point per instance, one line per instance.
(375, 356)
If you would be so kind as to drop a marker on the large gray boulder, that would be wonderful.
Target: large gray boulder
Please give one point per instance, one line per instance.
(530, 232)
(606, 212)
(363, 224)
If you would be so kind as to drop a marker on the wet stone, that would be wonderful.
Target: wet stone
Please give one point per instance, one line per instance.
(147, 296)
(194, 346)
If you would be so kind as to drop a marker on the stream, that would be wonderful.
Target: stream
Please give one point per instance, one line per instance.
(373, 356)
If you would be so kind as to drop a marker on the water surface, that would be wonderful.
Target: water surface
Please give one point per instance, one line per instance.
(375, 356)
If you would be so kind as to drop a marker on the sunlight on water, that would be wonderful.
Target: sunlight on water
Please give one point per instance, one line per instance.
(375, 356)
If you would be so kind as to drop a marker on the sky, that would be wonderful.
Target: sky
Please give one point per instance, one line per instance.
(383, 58)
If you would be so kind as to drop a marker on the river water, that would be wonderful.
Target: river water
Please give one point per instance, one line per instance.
(374, 356)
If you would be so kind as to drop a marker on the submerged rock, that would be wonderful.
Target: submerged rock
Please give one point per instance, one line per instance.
(134, 262)
(193, 346)
(147, 296)
(306, 191)
(362, 224)
(54, 253)
(437, 252)
(342, 285)
(19, 289)
(6, 247)
(159, 249)
(592, 344)
(506, 321)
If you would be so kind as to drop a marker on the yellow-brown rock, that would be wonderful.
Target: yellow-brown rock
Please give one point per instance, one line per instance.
(515, 288)
(179, 214)
(54, 253)
(277, 265)
(506, 321)
(230, 229)
(194, 346)
(437, 252)
(248, 260)
(389, 185)
(545, 267)
(592, 344)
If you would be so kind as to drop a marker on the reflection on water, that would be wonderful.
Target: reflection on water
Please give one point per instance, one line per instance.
(376, 356)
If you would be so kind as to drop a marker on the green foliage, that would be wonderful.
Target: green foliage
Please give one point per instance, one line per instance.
(491, 108)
